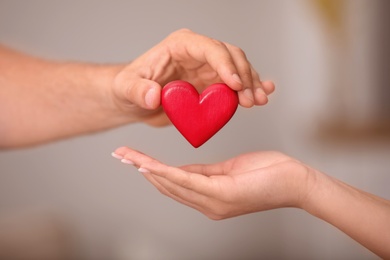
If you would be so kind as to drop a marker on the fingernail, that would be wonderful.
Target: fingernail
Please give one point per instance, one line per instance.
(248, 93)
(149, 97)
(127, 161)
(143, 170)
(116, 156)
(237, 78)
(261, 97)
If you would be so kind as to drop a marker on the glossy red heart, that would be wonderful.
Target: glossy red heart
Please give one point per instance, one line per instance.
(198, 117)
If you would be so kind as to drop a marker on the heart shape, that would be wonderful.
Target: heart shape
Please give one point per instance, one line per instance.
(198, 117)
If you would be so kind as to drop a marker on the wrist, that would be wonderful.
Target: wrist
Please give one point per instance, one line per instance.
(102, 79)
(308, 185)
(118, 107)
(315, 183)
(296, 181)
(92, 86)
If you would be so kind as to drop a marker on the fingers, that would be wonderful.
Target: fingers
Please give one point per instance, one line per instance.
(183, 195)
(185, 44)
(230, 63)
(187, 180)
(269, 87)
(131, 156)
(177, 180)
(254, 91)
(188, 53)
(206, 200)
(138, 91)
(244, 68)
(193, 190)
(205, 169)
(202, 203)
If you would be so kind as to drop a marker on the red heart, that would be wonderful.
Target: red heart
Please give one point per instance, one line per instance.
(198, 117)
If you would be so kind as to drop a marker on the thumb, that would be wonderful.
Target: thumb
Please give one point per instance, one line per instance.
(144, 93)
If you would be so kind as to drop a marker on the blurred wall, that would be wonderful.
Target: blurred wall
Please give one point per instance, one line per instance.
(106, 210)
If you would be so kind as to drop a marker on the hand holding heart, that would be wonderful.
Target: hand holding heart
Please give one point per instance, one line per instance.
(190, 57)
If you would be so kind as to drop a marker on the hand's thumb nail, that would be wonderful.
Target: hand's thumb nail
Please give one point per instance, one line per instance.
(237, 78)
(150, 97)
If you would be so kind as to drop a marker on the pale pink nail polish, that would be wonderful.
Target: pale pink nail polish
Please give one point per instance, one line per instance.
(127, 161)
(143, 170)
(116, 156)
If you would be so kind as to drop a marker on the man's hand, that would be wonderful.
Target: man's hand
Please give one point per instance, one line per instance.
(187, 56)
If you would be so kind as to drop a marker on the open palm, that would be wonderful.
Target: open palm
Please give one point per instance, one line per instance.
(245, 184)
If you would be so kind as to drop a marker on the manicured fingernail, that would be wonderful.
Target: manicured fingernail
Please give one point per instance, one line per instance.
(149, 97)
(143, 170)
(237, 78)
(116, 156)
(127, 161)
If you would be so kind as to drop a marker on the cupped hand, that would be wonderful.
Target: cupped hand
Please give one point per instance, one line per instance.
(245, 184)
(191, 57)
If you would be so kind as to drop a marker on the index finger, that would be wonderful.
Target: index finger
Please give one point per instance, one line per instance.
(207, 50)
(198, 183)
(204, 169)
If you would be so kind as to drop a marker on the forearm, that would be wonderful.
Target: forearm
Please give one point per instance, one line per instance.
(43, 100)
(362, 216)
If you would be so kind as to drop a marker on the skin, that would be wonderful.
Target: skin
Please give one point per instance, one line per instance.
(260, 181)
(75, 98)
(43, 100)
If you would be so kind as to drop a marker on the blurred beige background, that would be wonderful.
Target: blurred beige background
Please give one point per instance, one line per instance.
(330, 110)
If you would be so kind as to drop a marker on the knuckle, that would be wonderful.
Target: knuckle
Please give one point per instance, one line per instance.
(238, 50)
(170, 192)
(187, 182)
(214, 217)
(246, 74)
(216, 213)
(218, 43)
(220, 212)
(180, 32)
(184, 30)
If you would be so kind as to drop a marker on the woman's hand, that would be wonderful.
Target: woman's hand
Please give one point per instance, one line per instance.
(245, 184)
(261, 181)
(187, 56)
